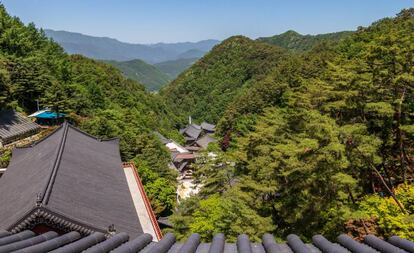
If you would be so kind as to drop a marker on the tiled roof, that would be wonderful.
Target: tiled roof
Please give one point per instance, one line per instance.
(205, 140)
(193, 131)
(185, 156)
(208, 127)
(162, 138)
(13, 125)
(63, 180)
(72, 242)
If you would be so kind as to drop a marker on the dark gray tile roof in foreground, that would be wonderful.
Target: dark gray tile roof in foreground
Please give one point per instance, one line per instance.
(71, 181)
(72, 242)
(13, 125)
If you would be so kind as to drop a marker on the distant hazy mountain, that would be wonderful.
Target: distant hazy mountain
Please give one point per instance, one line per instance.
(298, 42)
(174, 68)
(192, 53)
(104, 48)
(150, 76)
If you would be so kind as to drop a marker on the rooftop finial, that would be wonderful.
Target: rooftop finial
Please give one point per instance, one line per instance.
(111, 229)
(39, 199)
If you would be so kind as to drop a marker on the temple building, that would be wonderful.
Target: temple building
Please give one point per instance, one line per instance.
(71, 181)
(70, 193)
(14, 127)
(198, 136)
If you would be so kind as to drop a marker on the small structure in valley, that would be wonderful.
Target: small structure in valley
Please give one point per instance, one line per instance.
(209, 128)
(198, 136)
(191, 133)
(47, 117)
(14, 126)
(181, 157)
(72, 181)
(181, 160)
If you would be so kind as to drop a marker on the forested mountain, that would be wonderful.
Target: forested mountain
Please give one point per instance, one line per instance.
(298, 42)
(314, 137)
(211, 84)
(156, 76)
(103, 48)
(316, 141)
(96, 97)
(150, 76)
(174, 68)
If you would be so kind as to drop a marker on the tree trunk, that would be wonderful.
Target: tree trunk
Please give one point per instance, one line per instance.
(399, 137)
(383, 181)
(388, 189)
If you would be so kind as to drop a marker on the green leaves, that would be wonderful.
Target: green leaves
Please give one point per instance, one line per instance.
(160, 191)
(296, 160)
(224, 215)
(206, 89)
(313, 132)
(380, 108)
(94, 95)
(386, 213)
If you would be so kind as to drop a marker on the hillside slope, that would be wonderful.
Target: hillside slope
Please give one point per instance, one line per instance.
(207, 87)
(297, 42)
(150, 76)
(94, 95)
(176, 67)
(322, 141)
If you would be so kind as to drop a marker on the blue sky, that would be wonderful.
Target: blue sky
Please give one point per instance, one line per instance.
(151, 21)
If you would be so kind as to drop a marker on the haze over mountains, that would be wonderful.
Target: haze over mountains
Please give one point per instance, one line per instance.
(312, 137)
(155, 65)
(104, 48)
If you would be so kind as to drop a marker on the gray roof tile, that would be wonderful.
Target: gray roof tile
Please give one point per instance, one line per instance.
(193, 131)
(67, 175)
(119, 243)
(205, 140)
(13, 125)
(208, 127)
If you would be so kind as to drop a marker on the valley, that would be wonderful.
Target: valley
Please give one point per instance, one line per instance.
(304, 134)
(153, 65)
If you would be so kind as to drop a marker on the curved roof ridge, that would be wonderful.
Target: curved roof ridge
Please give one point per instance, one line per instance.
(70, 168)
(90, 135)
(56, 163)
(42, 139)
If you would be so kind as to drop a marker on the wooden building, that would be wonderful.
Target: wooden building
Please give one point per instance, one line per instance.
(14, 127)
(72, 181)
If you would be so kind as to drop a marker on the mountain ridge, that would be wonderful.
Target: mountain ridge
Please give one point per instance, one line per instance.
(295, 41)
(106, 48)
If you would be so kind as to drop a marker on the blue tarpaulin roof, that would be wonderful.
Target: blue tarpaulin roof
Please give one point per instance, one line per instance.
(50, 115)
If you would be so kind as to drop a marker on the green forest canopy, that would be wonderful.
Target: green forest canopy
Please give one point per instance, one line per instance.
(149, 75)
(321, 139)
(97, 97)
(297, 42)
(312, 141)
